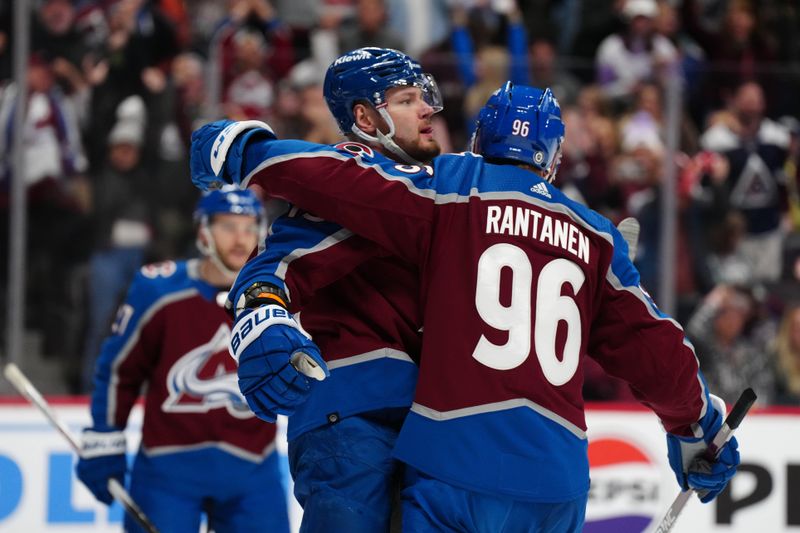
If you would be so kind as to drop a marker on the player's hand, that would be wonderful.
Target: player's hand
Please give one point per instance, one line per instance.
(692, 470)
(278, 362)
(215, 159)
(102, 458)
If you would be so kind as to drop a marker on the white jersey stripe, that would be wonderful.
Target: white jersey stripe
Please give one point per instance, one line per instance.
(427, 412)
(224, 446)
(381, 353)
(329, 241)
(431, 194)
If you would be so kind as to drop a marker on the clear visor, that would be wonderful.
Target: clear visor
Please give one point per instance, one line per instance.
(430, 90)
(556, 164)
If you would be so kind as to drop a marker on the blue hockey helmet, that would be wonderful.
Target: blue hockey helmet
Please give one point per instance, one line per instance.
(523, 124)
(228, 199)
(366, 74)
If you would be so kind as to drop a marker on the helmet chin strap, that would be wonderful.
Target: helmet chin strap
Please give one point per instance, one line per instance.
(387, 140)
(209, 250)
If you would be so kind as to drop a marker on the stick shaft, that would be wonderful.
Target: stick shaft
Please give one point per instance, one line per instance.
(674, 510)
(26, 388)
(15, 376)
(131, 507)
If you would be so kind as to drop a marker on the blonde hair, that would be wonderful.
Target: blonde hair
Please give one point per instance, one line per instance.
(494, 63)
(788, 354)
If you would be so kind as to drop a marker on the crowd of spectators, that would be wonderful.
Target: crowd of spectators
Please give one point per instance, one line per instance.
(117, 86)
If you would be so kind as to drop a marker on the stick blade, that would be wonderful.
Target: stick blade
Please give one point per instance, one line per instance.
(629, 228)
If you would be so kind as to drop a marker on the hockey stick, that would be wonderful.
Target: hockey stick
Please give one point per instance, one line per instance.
(629, 228)
(734, 418)
(15, 376)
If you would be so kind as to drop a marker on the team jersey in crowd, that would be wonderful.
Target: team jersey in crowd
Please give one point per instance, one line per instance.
(172, 334)
(360, 307)
(756, 184)
(518, 286)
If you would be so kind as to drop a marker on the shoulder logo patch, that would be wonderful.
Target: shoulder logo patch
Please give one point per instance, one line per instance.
(355, 148)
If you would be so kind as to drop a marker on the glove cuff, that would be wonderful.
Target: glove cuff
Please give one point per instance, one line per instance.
(223, 142)
(711, 422)
(102, 443)
(251, 325)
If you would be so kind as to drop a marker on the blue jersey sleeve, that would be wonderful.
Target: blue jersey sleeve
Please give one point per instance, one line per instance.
(130, 352)
(633, 340)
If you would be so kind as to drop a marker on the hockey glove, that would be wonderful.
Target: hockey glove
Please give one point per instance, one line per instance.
(102, 458)
(278, 362)
(215, 159)
(686, 459)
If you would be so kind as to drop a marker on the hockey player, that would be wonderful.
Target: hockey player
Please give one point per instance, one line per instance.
(519, 285)
(202, 450)
(360, 306)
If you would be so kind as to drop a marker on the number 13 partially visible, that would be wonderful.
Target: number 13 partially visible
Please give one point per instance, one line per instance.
(516, 318)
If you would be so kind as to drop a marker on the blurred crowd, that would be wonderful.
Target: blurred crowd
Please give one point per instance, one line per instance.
(117, 86)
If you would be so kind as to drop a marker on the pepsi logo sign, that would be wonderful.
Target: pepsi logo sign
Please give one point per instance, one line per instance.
(625, 484)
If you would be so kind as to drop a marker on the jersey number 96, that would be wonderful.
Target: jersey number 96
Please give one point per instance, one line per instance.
(516, 318)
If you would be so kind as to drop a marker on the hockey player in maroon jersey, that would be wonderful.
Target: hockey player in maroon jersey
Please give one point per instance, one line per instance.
(519, 285)
(202, 451)
(359, 303)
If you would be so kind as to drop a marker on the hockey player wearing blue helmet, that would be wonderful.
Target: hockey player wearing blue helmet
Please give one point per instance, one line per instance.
(518, 286)
(358, 303)
(202, 452)
(383, 98)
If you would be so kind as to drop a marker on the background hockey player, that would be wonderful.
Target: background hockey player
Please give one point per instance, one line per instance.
(202, 450)
(359, 305)
(519, 286)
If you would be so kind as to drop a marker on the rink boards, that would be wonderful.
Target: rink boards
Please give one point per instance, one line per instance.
(632, 484)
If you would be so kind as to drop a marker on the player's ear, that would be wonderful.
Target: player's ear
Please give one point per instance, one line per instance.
(365, 118)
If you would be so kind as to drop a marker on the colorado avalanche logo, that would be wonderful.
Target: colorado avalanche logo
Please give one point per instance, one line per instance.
(624, 495)
(205, 379)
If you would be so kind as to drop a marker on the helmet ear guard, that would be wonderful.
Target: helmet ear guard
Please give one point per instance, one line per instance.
(521, 124)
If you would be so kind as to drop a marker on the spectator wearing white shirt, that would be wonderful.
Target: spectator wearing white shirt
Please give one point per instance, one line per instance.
(627, 59)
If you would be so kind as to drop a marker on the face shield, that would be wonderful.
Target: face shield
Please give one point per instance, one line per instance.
(430, 90)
